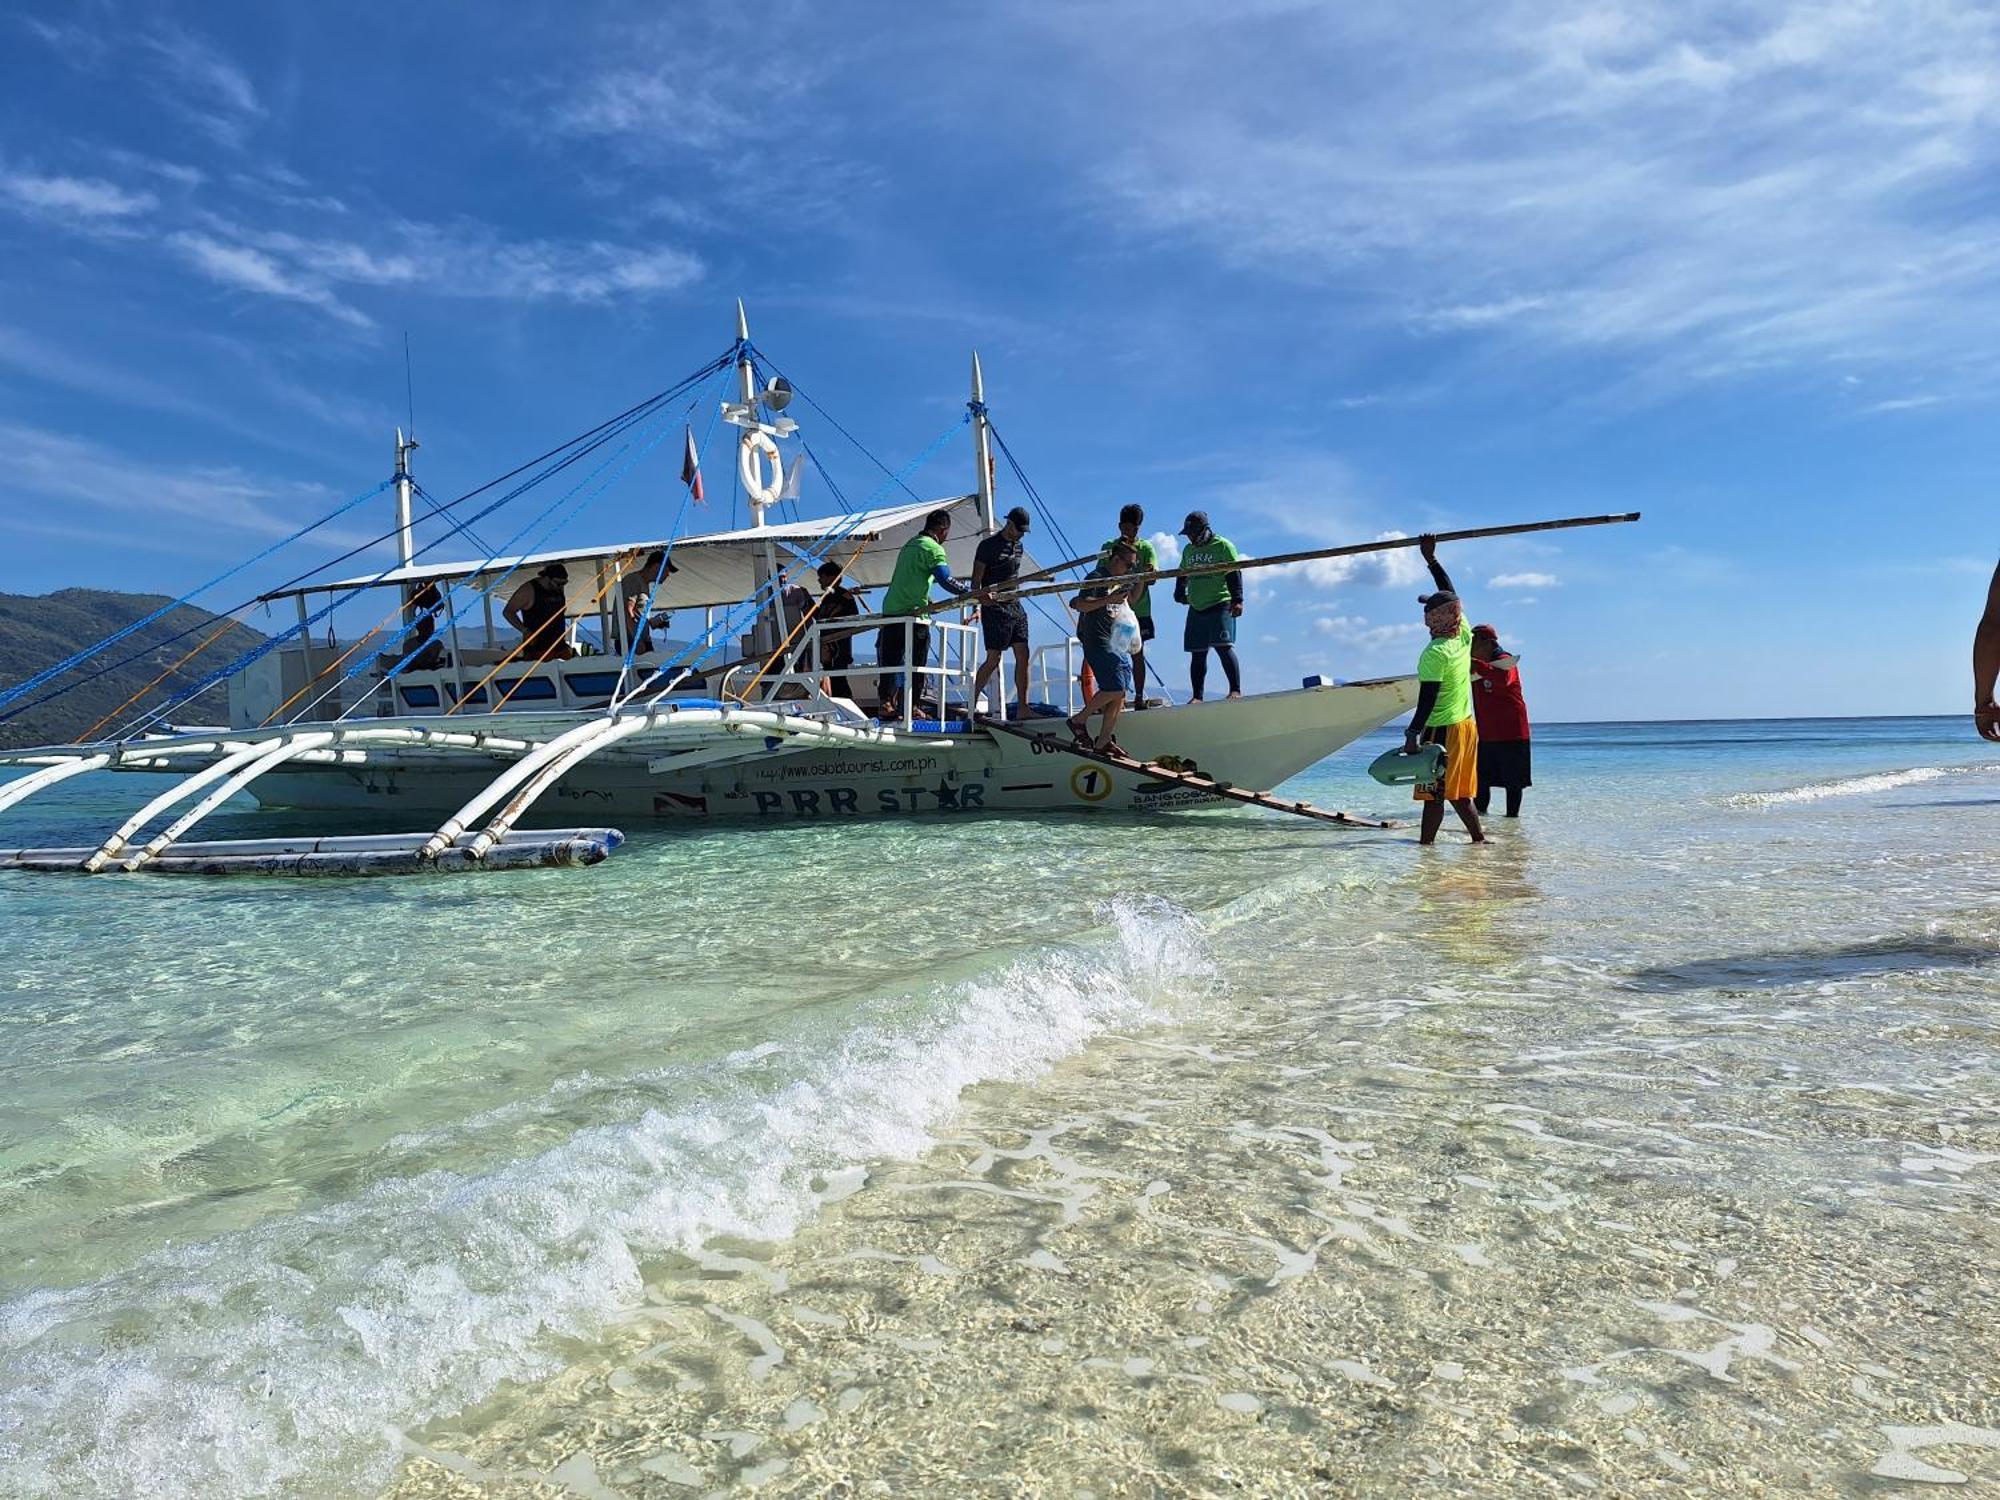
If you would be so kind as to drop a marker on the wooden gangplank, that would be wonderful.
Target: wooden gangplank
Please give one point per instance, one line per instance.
(1197, 781)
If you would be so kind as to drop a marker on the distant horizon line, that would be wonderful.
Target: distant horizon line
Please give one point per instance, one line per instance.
(1736, 719)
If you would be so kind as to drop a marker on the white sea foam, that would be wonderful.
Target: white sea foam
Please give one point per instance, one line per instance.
(284, 1358)
(1854, 786)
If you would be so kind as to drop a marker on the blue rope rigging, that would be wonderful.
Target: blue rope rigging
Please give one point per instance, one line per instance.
(634, 627)
(605, 433)
(831, 422)
(810, 556)
(583, 444)
(508, 547)
(437, 509)
(78, 658)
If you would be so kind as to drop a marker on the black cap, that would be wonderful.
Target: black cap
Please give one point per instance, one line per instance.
(1197, 520)
(1442, 596)
(1020, 517)
(556, 571)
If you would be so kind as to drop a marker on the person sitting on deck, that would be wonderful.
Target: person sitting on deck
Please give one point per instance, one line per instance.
(1003, 624)
(424, 652)
(634, 589)
(836, 647)
(539, 609)
(1444, 706)
(1214, 604)
(1501, 715)
(1986, 664)
(922, 562)
(1096, 626)
(1130, 519)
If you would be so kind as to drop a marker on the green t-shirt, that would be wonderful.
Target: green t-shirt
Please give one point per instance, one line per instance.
(1210, 589)
(1447, 661)
(1149, 562)
(910, 587)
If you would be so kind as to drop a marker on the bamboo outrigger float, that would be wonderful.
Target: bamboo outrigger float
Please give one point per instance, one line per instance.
(437, 712)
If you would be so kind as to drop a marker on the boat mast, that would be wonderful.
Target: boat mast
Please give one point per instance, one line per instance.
(406, 548)
(982, 447)
(764, 634)
(405, 545)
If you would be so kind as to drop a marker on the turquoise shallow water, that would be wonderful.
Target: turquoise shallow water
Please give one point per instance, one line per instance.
(286, 1169)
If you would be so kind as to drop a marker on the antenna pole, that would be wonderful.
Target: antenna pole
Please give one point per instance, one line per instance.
(982, 448)
(746, 392)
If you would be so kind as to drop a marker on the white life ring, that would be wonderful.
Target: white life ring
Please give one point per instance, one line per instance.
(762, 488)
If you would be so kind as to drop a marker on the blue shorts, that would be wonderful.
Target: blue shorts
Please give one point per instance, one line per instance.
(1209, 627)
(1112, 669)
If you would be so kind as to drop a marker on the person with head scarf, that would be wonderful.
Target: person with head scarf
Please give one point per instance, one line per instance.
(1502, 716)
(1444, 706)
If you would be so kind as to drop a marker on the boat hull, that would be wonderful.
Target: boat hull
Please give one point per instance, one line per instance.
(1257, 742)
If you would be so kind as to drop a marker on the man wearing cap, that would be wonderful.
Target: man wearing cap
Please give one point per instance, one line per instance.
(922, 562)
(539, 609)
(1003, 624)
(1214, 603)
(1501, 715)
(1444, 706)
(1147, 560)
(646, 578)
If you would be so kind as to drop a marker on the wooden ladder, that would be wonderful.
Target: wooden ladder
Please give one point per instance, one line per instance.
(1198, 781)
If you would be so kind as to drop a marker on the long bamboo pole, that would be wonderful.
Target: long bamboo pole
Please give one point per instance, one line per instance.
(1354, 549)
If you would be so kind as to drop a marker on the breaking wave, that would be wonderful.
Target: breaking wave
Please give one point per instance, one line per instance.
(1853, 786)
(287, 1357)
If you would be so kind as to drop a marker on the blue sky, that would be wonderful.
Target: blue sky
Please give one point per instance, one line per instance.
(1319, 269)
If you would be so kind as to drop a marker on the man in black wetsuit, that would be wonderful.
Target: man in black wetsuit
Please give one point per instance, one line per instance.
(1004, 625)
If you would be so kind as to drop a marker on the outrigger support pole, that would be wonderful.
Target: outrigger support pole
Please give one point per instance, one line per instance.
(1353, 549)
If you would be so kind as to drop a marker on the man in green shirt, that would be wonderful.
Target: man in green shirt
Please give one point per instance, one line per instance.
(1444, 706)
(1147, 560)
(1214, 604)
(922, 562)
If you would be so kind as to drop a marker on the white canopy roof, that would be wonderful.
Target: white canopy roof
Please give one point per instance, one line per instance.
(719, 567)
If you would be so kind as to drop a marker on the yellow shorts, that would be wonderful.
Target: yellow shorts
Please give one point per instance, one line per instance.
(1461, 760)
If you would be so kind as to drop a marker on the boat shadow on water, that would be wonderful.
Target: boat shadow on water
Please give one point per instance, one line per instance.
(1815, 965)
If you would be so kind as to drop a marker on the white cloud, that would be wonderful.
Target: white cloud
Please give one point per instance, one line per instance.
(1901, 403)
(1398, 567)
(74, 472)
(1167, 548)
(87, 201)
(203, 84)
(461, 260)
(1523, 581)
(251, 270)
(1354, 631)
(1713, 189)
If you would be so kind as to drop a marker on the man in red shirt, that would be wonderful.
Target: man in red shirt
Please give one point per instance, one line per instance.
(1502, 714)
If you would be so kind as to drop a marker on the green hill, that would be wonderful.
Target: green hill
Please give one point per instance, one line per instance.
(37, 630)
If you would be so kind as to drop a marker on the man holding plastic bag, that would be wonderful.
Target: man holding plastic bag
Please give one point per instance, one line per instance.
(1108, 631)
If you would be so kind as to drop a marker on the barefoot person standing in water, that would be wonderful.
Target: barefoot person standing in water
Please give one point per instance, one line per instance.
(1444, 706)
(1501, 714)
(1986, 663)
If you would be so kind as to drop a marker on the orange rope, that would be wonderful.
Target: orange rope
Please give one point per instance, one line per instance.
(617, 576)
(332, 666)
(804, 620)
(200, 646)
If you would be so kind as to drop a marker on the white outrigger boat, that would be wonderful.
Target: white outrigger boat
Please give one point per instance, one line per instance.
(439, 714)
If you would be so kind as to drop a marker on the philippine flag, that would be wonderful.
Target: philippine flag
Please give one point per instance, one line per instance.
(691, 470)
